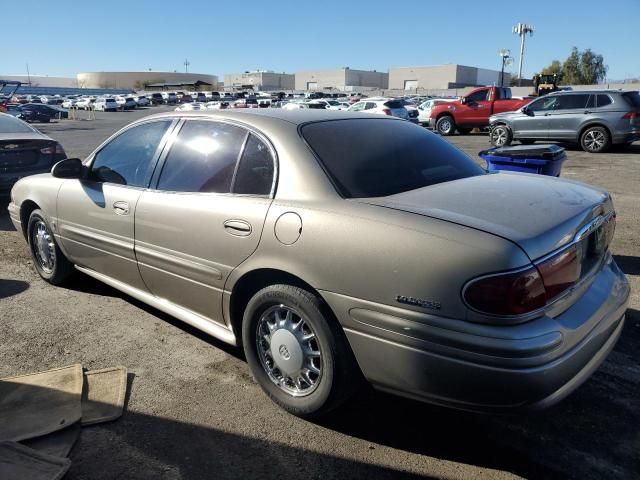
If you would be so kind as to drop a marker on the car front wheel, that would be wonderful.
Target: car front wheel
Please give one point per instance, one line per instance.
(501, 136)
(446, 125)
(48, 259)
(297, 352)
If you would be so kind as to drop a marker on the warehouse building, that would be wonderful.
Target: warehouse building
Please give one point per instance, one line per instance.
(139, 80)
(345, 79)
(263, 80)
(443, 77)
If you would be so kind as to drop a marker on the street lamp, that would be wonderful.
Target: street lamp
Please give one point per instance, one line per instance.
(521, 30)
(505, 53)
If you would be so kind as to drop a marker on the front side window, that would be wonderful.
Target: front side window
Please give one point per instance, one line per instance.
(370, 106)
(543, 104)
(357, 107)
(376, 158)
(127, 159)
(479, 96)
(202, 158)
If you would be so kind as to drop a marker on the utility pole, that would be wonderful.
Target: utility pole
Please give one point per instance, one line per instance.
(186, 66)
(521, 30)
(505, 53)
(28, 74)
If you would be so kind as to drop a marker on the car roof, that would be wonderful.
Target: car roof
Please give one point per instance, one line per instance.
(574, 92)
(296, 117)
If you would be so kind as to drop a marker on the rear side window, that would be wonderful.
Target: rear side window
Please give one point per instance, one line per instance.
(603, 100)
(567, 102)
(127, 159)
(394, 104)
(632, 98)
(376, 158)
(255, 170)
(202, 158)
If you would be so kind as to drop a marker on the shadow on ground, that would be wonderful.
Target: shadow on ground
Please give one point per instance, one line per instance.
(629, 264)
(9, 288)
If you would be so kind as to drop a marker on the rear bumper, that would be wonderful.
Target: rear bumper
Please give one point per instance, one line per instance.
(486, 368)
(627, 137)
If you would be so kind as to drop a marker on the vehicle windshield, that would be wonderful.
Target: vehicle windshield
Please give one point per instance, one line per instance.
(9, 124)
(376, 158)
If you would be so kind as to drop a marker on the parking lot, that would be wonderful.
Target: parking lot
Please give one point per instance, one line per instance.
(194, 411)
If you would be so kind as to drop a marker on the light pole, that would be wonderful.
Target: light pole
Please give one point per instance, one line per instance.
(521, 30)
(505, 53)
(186, 66)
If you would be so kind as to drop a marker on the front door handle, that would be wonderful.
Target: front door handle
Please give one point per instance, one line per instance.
(587, 112)
(239, 228)
(121, 208)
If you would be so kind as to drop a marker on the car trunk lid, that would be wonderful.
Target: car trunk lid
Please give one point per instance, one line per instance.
(22, 154)
(538, 213)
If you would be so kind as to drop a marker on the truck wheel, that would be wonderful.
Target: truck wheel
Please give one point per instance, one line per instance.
(595, 140)
(501, 136)
(446, 125)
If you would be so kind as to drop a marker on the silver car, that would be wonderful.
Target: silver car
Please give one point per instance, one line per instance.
(595, 119)
(337, 247)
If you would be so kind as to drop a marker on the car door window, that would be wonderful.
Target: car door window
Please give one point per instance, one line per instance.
(357, 107)
(603, 100)
(203, 158)
(571, 102)
(128, 158)
(369, 106)
(544, 104)
(255, 170)
(479, 96)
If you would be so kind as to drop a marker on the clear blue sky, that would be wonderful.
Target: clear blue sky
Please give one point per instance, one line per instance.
(75, 36)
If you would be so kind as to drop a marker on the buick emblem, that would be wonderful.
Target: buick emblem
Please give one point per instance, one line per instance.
(284, 352)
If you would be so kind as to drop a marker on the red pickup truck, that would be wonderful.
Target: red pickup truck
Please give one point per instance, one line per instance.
(473, 110)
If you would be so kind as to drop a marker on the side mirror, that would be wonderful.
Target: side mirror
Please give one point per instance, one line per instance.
(463, 100)
(526, 111)
(68, 168)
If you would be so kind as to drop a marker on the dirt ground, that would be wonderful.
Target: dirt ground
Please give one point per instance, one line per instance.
(194, 412)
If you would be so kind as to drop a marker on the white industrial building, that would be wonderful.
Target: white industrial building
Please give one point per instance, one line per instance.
(345, 79)
(443, 77)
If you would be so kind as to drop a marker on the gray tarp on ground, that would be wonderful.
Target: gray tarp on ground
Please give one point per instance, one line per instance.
(18, 462)
(103, 395)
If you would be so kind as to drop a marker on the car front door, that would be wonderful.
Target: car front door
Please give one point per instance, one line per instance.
(532, 121)
(568, 113)
(96, 214)
(206, 213)
(475, 110)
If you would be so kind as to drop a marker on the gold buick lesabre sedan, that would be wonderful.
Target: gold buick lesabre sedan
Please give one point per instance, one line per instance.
(339, 246)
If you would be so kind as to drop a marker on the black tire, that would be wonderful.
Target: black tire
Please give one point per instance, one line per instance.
(59, 268)
(464, 131)
(526, 141)
(595, 140)
(446, 125)
(339, 377)
(501, 135)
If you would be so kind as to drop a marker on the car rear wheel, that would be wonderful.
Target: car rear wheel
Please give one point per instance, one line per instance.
(446, 125)
(501, 136)
(297, 352)
(48, 259)
(595, 140)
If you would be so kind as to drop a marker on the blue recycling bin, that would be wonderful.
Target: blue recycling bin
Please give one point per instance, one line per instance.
(540, 159)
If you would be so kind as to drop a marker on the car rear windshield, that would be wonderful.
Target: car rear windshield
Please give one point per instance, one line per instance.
(394, 104)
(9, 124)
(376, 158)
(632, 98)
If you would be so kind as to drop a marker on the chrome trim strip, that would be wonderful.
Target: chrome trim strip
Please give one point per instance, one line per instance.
(198, 321)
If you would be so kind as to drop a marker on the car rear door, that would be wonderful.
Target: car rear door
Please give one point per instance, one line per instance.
(205, 214)
(96, 214)
(567, 114)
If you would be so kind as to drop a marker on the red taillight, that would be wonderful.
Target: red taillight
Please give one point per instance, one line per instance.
(386, 111)
(562, 271)
(630, 115)
(53, 149)
(507, 294)
(59, 149)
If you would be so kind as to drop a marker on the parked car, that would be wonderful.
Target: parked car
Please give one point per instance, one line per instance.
(199, 97)
(378, 250)
(185, 98)
(68, 103)
(185, 107)
(126, 103)
(142, 101)
(424, 109)
(595, 119)
(52, 111)
(382, 106)
(24, 151)
(216, 105)
(106, 105)
(157, 99)
(85, 103)
(473, 110)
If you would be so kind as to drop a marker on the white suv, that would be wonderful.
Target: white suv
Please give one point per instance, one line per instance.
(381, 106)
(126, 103)
(105, 105)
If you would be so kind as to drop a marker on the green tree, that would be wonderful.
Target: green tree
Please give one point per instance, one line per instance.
(583, 68)
(554, 68)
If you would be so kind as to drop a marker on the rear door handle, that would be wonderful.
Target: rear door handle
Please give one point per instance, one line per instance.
(121, 208)
(239, 228)
(587, 112)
